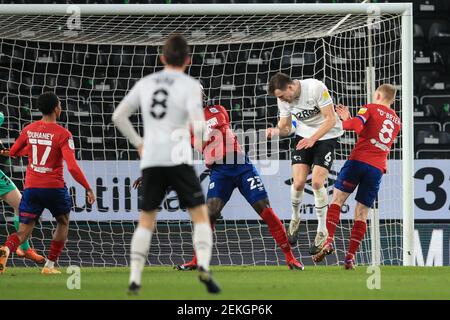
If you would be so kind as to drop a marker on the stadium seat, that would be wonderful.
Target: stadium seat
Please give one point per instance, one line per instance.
(432, 126)
(446, 127)
(268, 103)
(426, 138)
(424, 113)
(229, 85)
(429, 8)
(439, 33)
(433, 154)
(234, 105)
(418, 35)
(444, 139)
(441, 104)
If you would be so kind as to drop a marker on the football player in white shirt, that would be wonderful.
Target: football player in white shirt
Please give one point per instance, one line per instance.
(171, 102)
(317, 131)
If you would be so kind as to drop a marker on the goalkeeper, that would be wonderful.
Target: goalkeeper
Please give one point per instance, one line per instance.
(230, 168)
(11, 195)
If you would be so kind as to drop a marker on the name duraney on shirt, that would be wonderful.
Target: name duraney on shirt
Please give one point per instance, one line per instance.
(40, 135)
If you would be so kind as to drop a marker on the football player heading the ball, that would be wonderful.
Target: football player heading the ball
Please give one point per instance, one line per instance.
(317, 130)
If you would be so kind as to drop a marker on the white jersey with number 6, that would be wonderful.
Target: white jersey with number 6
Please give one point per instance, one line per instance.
(170, 102)
(314, 95)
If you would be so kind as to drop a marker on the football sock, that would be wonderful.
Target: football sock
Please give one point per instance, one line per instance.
(333, 217)
(12, 242)
(56, 247)
(140, 245)
(296, 200)
(321, 205)
(26, 245)
(194, 259)
(202, 239)
(358, 231)
(277, 230)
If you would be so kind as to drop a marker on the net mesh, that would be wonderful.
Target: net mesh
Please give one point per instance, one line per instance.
(92, 65)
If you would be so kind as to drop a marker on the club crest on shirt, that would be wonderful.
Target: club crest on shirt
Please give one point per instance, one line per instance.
(71, 144)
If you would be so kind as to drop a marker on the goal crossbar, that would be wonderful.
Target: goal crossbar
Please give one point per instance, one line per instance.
(208, 9)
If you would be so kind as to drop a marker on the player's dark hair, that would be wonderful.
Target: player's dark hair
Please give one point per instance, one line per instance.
(278, 81)
(176, 50)
(47, 102)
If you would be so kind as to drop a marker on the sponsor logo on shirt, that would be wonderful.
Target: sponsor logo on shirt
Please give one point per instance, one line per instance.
(213, 110)
(326, 95)
(306, 114)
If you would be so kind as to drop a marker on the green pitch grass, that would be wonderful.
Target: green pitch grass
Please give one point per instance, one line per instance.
(237, 283)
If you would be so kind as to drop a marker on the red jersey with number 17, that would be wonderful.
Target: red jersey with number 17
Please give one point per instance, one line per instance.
(381, 127)
(47, 144)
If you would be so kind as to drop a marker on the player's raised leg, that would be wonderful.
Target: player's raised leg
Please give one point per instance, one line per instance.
(332, 221)
(300, 173)
(346, 182)
(12, 197)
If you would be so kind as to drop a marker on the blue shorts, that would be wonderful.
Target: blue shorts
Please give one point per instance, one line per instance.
(35, 200)
(225, 178)
(366, 177)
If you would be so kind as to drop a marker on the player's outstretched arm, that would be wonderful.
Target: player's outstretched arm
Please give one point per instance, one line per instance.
(343, 112)
(351, 124)
(19, 147)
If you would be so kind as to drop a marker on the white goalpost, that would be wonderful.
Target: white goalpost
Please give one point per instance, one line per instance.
(91, 55)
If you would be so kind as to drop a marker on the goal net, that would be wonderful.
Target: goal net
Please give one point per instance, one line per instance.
(91, 57)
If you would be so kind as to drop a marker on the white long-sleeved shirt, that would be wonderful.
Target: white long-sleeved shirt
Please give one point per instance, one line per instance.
(171, 104)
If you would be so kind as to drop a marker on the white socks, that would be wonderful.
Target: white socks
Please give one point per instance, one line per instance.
(140, 244)
(321, 204)
(296, 200)
(202, 240)
(49, 264)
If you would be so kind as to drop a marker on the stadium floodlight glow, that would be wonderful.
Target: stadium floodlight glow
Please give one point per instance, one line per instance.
(91, 55)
